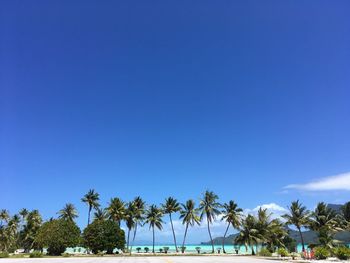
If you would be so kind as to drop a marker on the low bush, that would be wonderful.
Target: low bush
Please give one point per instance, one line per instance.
(264, 252)
(36, 254)
(66, 255)
(198, 249)
(166, 249)
(342, 253)
(4, 255)
(322, 253)
(282, 252)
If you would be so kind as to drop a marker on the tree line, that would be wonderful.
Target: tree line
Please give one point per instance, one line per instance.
(28, 231)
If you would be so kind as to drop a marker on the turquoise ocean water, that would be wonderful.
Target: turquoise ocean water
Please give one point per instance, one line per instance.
(204, 248)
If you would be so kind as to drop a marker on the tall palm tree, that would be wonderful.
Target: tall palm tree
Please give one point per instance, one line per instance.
(91, 198)
(299, 217)
(232, 214)
(170, 206)
(190, 216)
(30, 230)
(140, 207)
(325, 221)
(116, 210)
(210, 209)
(154, 219)
(68, 212)
(130, 219)
(100, 214)
(248, 234)
(23, 213)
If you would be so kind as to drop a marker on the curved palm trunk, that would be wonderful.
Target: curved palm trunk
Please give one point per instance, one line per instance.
(183, 243)
(223, 240)
(133, 239)
(211, 239)
(172, 227)
(302, 239)
(153, 240)
(127, 242)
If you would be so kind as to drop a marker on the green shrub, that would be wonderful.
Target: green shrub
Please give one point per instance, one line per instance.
(183, 249)
(36, 254)
(166, 249)
(146, 249)
(4, 255)
(321, 253)
(103, 236)
(198, 249)
(66, 255)
(138, 249)
(282, 252)
(342, 253)
(264, 252)
(57, 235)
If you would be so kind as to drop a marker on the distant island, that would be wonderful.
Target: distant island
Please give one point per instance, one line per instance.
(310, 237)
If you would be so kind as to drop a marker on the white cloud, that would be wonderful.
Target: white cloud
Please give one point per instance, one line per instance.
(275, 210)
(335, 182)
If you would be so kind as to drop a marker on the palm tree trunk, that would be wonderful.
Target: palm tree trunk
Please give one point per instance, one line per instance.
(89, 215)
(127, 242)
(183, 243)
(223, 240)
(153, 240)
(211, 239)
(172, 227)
(302, 239)
(133, 239)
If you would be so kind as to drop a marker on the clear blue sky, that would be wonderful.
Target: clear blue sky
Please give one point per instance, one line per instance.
(159, 98)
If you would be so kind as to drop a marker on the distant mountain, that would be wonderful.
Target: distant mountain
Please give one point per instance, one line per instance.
(310, 237)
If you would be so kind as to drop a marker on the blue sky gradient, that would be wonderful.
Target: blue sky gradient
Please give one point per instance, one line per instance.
(171, 98)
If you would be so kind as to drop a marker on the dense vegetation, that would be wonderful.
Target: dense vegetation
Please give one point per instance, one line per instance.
(261, 230)
(103, 235)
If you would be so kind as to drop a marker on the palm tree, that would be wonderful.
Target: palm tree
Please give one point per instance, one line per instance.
(30, 230)
(248, 235)
(116, 210)
(154, 219)
(210, 208)
(23, 213)
(138, 215)
(325, 221)
(4, 216)
(91, 199)
(170, 206)
(299, 217)
(68, 212)
(100, 214)
(232, 214)
(190, 216)
(130, 219)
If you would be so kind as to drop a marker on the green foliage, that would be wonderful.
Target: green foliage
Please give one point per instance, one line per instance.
(322, 253)
(36, 254)
(289, 243)
(4, 255)
(342, 253)
(65, 255)
(103, 235)
(283, 252)
(198, 249)
(57, 235)
(146, 249)
(138, 249)
(264, 252)
(166, 249)
(182, 249)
